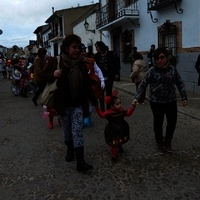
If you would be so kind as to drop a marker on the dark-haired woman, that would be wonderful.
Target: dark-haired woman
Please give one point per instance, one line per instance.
(163, 79)
(109, 66)
(71, 98)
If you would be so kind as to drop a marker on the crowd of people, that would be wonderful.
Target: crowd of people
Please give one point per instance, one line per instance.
(17, 71)
(85, 81)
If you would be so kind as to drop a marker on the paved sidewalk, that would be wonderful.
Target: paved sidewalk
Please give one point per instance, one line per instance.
(192, 109)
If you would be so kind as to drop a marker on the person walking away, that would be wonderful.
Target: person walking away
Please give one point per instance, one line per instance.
(138, 72)
(17, 77)
(9, 68)
(24, 83)
(163, 79)
(133, 56)
(150, 56)
(197, 67)
(118, 63)
(4, 71)
(71, 97)
(32, 85)
(109, 67)
(39, 64)
(96, 77)
(171, 58)
(117, 130)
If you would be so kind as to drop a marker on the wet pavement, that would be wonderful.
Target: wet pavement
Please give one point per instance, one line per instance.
(32, 164)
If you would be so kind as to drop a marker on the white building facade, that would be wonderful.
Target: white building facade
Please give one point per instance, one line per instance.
(140, 23)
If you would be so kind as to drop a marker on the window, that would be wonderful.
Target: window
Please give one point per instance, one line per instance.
(167, 36)
(170, 41)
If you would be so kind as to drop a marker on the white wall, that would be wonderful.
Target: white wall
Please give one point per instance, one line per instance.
(88, 38)
(146, 34)
(45, 38)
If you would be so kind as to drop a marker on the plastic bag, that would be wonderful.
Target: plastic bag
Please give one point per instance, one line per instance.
(87, 122)
(45, 115)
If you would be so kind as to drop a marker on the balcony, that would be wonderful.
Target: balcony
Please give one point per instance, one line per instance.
(115, 14)
(159, 4)
(55, 36)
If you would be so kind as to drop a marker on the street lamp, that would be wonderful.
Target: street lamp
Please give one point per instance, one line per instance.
(86, 24)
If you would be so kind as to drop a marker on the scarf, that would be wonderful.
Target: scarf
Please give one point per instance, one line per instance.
(74, 76)
(166, 67)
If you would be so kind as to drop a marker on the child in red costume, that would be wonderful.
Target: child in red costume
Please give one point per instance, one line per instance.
(117, 130)
(50, 113)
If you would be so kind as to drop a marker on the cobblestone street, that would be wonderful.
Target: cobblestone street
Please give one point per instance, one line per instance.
(32, 164)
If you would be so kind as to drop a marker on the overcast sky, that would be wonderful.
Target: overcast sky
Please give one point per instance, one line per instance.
(20, 18)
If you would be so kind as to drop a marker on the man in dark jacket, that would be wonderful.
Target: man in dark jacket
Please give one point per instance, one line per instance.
(197, 66)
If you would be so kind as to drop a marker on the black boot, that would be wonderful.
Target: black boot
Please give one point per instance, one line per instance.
(70, 150)
(81, 164)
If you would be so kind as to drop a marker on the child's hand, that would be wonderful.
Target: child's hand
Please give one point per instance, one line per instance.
(134, 102)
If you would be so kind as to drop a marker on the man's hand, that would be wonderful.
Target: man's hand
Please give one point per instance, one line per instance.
(185, 102)
(57, 73)
(116, 77)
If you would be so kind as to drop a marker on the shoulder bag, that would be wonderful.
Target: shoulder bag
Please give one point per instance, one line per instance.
(48, 94)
